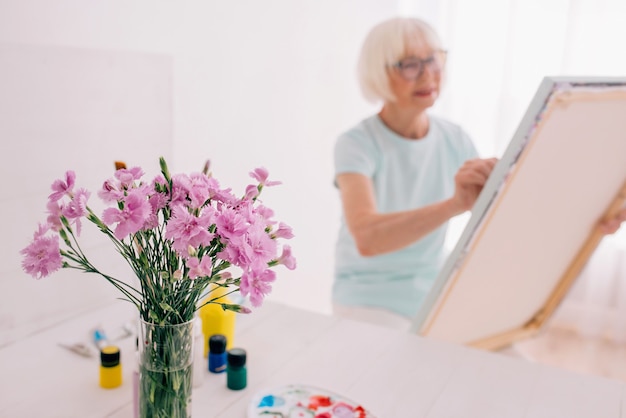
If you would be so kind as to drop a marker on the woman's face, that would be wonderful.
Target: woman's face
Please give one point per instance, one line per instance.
(415, 79)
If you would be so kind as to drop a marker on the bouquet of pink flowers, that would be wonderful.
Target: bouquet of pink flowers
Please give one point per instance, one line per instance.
(179, 234)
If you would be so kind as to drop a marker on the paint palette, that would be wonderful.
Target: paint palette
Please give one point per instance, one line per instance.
(302, 401)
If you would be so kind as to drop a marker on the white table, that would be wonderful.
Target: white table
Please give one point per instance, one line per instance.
(393, 374)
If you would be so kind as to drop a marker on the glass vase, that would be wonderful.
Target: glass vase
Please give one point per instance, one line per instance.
(165, 370)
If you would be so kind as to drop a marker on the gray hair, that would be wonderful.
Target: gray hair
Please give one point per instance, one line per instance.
(385, 44)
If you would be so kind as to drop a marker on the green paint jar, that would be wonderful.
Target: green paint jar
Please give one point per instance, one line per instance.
(236, 373)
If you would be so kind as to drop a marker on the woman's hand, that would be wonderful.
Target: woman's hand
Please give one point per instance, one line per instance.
(470, 180)
(611, 226)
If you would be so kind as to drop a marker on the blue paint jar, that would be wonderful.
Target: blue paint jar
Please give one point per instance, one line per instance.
(217, 353)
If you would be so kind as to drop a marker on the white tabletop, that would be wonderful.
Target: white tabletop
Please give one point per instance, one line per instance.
(391, 373)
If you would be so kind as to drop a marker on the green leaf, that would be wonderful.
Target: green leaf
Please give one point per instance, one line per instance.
(166, 307)
(154, 316)
(63, 235)
(65, 223)
(164, 169)
(235, 308)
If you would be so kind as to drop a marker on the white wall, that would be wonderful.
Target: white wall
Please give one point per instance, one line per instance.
(69, 108)
(252, 83)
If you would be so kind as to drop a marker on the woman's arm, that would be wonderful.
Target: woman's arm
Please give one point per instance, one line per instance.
(378, 233)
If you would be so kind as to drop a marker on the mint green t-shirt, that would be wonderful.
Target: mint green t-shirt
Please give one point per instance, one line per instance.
(406, 174)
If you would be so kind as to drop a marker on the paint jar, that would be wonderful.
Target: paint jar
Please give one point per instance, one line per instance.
(236, 373)
(110, 367)
(216, 320)
(217, 353)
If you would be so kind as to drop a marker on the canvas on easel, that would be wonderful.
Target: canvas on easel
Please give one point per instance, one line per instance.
(535, 224)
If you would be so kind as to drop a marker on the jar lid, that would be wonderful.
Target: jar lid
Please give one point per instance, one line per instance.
(110, 356)
(236, 357)
(217, 343)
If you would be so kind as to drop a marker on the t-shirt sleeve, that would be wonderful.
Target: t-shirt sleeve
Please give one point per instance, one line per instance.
(469, 150)
(354, 154)
(464, 148)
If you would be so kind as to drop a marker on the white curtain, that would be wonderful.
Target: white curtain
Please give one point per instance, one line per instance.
(499, 51)
(596, 304)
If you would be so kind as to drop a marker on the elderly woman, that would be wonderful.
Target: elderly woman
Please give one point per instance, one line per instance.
(402, 175)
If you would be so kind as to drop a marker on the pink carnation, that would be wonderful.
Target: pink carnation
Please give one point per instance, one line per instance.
(252, 192)
(179, 190)
(256, 285)
(283, 231)
(287, 259)
(186, 229)
(157, 202)
(42, 257)
(260, 245)
(61, 188)
(199, 268)
(198, 189)
(132, 217)
(235, 254)
(109, 192)
(77, 208)
(261, 174)
(265, 213)
(230, 224)
(54, 215)
(127, 177)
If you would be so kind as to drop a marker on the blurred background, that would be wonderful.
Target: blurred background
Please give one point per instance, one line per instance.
(248, 84)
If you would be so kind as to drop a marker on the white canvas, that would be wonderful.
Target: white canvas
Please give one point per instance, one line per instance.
(561, 171)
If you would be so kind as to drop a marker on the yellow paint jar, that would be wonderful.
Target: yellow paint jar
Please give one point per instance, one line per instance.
(110, 367)
(216, 320)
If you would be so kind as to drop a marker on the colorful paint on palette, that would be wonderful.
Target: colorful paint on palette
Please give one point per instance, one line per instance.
(302, 401)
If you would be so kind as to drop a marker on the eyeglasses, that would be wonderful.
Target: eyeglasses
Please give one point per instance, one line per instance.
(412, 68)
